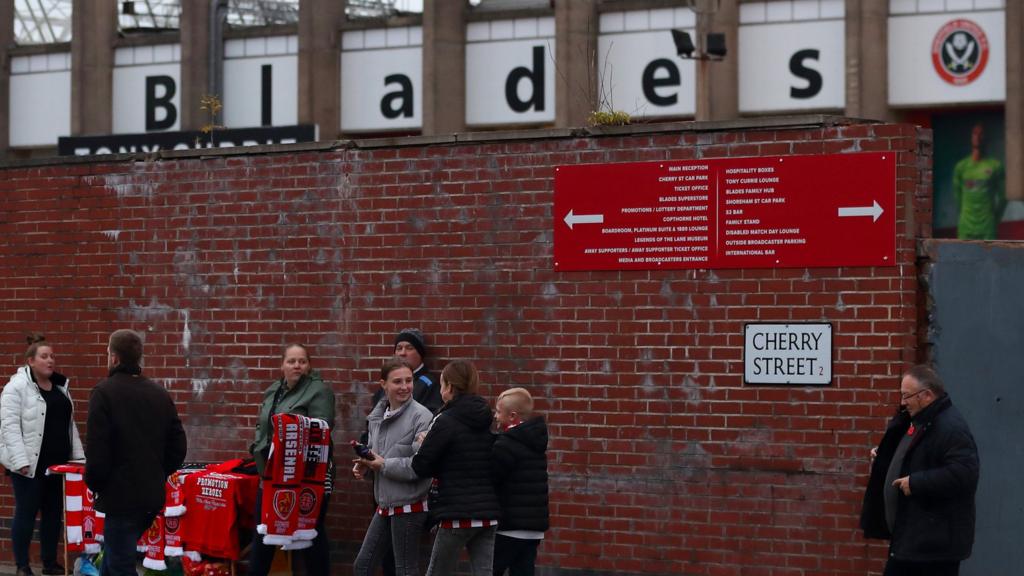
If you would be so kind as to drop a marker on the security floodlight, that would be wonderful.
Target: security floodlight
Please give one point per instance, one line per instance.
(716, 45)
(684, 44)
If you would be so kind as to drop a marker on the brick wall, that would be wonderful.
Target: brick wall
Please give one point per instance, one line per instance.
(662, 461)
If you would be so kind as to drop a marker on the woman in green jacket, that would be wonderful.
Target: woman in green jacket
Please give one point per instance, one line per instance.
(300, 390)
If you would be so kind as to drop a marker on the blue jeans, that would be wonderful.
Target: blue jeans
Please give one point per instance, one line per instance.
(479, 542)
(402, 533)
(43, 495)
(120, 534)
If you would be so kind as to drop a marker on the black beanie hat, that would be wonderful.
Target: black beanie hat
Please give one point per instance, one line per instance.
(415, 337)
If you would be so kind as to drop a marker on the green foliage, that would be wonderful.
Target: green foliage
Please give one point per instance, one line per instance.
(608, 118)
(212, 105)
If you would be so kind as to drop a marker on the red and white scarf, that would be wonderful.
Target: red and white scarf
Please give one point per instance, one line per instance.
(83, 524)
(407, 509)
(282, 479)
(314, 473)
(152, 543)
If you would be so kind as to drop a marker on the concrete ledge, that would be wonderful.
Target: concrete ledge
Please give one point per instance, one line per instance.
(146, 38)
(260, 31)
(758, 123)
(388, 21)
(402, 141)
(475, 14)
(241, 150)
(31, 49)
(626, 5)
(477, 137)
(929, 247)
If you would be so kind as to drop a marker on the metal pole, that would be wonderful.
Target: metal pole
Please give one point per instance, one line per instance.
(215, 60)
(703, 68)
(705, 10)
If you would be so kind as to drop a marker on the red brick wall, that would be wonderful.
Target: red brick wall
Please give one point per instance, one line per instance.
(662, 461)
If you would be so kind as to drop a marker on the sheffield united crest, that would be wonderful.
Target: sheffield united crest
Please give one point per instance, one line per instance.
(960, 52)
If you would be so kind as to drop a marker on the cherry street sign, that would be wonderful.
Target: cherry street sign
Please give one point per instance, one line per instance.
(787, 353)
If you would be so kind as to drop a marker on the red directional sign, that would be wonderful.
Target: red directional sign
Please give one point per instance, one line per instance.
(763, 212)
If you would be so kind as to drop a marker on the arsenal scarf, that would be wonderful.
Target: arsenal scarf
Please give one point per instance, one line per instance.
(282, 479)
(315, 471)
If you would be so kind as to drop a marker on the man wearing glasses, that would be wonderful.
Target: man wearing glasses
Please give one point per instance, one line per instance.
(924, 474)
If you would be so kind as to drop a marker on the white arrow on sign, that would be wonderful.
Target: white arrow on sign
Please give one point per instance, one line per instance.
(571, 219)
(874, 211)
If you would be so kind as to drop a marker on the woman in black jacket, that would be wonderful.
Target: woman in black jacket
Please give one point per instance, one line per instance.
(456, 453)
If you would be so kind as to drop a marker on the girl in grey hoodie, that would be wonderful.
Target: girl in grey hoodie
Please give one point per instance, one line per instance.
(400, 494)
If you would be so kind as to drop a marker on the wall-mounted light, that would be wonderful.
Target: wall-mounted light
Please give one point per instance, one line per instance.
(684, 44)
(714, 46)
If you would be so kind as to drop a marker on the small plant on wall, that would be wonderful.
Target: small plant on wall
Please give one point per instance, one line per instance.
(608, 118)
(593, 89)
(603, 112)
(212, 105)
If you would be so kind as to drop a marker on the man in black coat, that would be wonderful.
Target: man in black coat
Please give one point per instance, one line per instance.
(135, 441)
(924, 475)
(520, 471)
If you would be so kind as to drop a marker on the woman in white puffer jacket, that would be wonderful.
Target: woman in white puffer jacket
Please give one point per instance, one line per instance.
(37, 430)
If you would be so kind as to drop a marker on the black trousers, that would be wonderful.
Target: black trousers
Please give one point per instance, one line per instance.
(516, 555)
(317, 557)
(902, 568)
(42, 495)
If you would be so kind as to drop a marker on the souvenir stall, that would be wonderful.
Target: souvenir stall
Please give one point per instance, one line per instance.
(207, 521)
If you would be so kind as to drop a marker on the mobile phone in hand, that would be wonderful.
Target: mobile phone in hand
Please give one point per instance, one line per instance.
(361, 450)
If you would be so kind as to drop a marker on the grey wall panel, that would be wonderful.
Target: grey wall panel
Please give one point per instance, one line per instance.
(977, 328)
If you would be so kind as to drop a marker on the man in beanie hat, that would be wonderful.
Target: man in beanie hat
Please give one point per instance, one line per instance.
(409, 347)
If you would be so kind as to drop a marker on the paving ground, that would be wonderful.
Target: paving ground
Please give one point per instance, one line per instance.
(10, 569)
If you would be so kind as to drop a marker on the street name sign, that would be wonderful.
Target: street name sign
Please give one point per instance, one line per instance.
(759, 212)
(787, 353)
